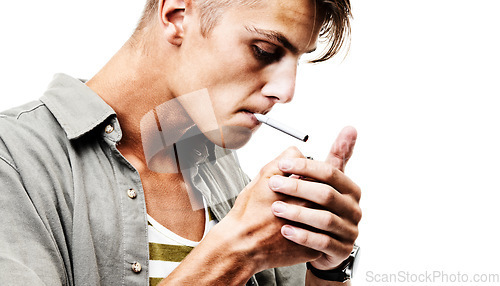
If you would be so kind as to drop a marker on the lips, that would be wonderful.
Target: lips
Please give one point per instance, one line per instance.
(248, 112)
(250, 115)
(256, 110)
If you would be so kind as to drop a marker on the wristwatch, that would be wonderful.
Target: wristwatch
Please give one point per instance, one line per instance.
(342, 273)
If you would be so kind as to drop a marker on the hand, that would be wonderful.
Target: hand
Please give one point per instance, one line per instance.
(323, 214)
(332, 226)
(247, 240)
(252, 221)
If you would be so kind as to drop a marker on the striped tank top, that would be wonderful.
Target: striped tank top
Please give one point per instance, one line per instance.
(167, 249)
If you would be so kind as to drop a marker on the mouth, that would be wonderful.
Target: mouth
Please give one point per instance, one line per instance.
(250, 114)
(252, 111)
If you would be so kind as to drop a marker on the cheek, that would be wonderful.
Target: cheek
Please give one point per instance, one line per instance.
(234, 60)
(232, 85)
(230, 74)
(227, 98)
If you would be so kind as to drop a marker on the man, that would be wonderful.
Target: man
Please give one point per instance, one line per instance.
(94, 172)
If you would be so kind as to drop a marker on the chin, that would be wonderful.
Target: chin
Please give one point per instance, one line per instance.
(230, 137)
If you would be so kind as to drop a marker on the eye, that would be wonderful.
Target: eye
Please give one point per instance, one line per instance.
(267, 55)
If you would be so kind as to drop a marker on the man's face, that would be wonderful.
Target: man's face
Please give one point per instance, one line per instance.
(246, 64)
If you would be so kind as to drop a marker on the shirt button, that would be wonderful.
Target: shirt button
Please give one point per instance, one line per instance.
(132, 193)
(136, 267)
(109, 129)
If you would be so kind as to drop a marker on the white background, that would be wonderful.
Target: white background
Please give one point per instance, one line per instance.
(420, 84)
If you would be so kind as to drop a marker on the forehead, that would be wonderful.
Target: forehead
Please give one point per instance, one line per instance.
(292, 10)
(295, 19)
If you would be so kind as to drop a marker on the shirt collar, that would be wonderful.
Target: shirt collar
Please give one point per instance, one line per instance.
(77, 108)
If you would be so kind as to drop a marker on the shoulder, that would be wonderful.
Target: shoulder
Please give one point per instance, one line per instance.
(33, 143)
(27, 120)
(29, 129)
(30, 206)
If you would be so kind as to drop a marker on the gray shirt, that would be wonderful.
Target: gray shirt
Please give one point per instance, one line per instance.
(68, 215)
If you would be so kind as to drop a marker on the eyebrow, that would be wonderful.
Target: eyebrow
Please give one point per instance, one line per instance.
(276, 37)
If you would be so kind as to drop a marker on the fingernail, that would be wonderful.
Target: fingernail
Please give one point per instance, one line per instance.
(275, 182)
(285, 164)
(288, 231)
(279, 207)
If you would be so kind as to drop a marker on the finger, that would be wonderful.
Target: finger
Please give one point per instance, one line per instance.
(322, 220)
(322, 172)
(291, 151)
(321, 194)
(342, 148)
(318, 241)
(272, 168)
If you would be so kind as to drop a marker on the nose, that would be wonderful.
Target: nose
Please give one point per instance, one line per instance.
(280, 85)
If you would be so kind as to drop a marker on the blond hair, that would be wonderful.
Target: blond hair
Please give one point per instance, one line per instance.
(335, 30)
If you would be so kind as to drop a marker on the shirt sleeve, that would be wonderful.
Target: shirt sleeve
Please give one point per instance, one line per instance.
(28, 252)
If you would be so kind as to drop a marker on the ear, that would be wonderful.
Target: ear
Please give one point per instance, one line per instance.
(171, 19)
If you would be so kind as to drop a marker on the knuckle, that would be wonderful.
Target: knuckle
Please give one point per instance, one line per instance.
(351, 234)
(296, 214)
(292, 151)
(357, 214)
(356, 192)
(325, 242)
(303, 238)
(264, 171)
(295, 186)
(355, 234)
(332, 172)
(331, 221)
(328, 195)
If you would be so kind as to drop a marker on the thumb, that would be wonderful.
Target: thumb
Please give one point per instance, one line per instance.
(342, 148)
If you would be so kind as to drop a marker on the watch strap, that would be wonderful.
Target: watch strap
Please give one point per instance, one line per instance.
(342, 273)
(337, 274)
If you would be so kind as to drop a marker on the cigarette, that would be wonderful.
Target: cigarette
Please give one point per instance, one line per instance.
(281, 127)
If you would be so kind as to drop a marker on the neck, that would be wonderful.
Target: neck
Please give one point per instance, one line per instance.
(135, 83)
